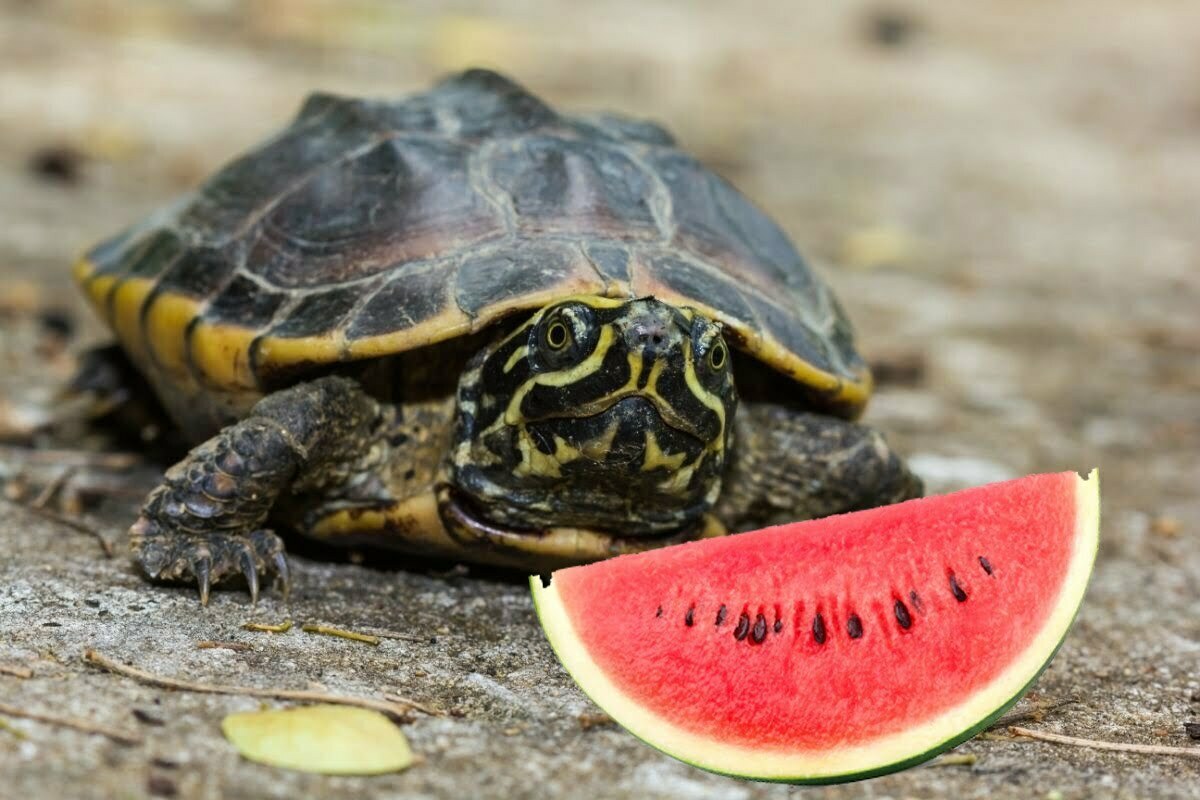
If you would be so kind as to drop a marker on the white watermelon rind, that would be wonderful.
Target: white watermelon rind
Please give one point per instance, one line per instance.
(886, 754)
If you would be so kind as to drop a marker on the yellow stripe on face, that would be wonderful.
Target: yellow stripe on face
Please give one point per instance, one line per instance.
(656, 457)
(706, 397)
(512, 415)
(535, 462)
(518, 354)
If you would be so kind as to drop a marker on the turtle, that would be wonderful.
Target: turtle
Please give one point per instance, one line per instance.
(464, 325)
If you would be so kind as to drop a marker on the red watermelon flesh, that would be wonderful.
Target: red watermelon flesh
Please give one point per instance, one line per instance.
(834, 648)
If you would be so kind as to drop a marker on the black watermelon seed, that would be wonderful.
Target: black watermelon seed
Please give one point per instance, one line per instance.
(760, 630)
(743, 627)
(916, 601)
(721, 612)
(819, 629)
(854, 627)
(689, 618)
(779, 626)
(957, 590)
(659, 612)
(987, 565)
(902, 615)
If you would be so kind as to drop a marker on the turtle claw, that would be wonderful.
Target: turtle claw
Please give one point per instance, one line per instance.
(250, 570)
(201, 568)
(211, 559)
(282, 574)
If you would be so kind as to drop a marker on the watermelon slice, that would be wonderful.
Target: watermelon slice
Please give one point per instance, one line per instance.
(835, 649)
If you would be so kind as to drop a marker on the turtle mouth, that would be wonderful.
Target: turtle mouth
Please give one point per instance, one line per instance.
(624, 470)
(633, 431)
(640, 410)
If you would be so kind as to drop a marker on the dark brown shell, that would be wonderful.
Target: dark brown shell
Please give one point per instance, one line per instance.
(371, 227)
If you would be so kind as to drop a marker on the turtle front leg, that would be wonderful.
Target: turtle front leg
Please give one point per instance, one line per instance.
(790, 465)
(206, 520)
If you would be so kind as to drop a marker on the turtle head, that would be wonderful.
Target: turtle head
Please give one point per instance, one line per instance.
(611, 415)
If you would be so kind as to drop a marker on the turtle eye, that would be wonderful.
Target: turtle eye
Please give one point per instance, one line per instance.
(718, 356)
(564, 335)
(556, 336)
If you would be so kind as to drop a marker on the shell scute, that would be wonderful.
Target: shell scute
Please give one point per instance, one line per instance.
(400, 201)
(522, 277)
(571, 188)
(369, 227)
(415, 294)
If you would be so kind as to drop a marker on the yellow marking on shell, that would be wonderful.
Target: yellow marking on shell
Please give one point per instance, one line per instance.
(512, 415)
(657, 458)
(125, 309)
(515, 358)
(280, 351)
(221, 354)
(595, 300)
(164, 324)
(98, 289)
(82, 270)
(449, 324)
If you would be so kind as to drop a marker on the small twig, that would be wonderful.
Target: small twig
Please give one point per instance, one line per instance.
(17, 672)
(594, 719)
(93, 657)
(413, 704)
(75, 525)
(1120, 747)
(210, 645)
(263, 627)
(53, 488)
(327, 630)
(71, 722)
(406, 637)
(954, 760)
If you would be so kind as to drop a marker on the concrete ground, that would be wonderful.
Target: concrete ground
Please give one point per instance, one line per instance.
(1004, 196)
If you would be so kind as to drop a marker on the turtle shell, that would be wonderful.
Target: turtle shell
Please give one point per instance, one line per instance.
(368, 228)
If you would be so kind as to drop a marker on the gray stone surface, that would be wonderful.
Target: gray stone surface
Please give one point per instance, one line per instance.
(1013, 193)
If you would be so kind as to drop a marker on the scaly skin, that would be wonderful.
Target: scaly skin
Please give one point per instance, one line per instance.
(787, 465)
(206, 521)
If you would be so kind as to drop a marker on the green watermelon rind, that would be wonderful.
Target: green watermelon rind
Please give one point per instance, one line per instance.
(1086, 538)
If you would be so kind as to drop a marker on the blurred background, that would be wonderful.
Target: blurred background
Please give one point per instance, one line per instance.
(1004, 194)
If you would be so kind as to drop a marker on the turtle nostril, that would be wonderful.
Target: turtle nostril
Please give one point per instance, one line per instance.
(651, 332)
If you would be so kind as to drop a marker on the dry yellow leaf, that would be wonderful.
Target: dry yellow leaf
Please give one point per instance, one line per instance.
(328, 739)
